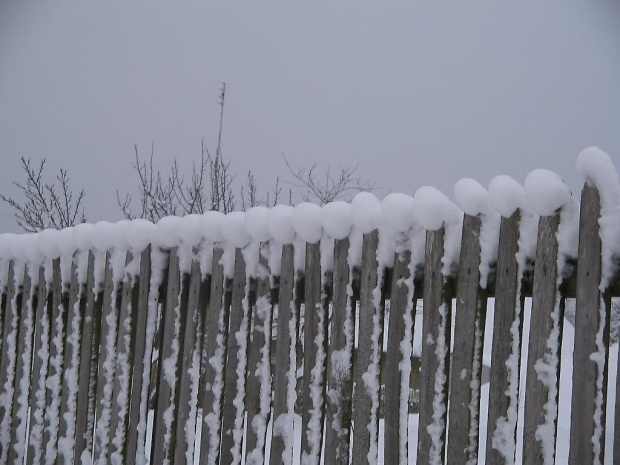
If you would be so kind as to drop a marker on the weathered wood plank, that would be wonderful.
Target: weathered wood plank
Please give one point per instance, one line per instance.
(189, 372)
(435, 359)
(124, 369)
(86, 372)
(234, 371)
(284, 376)
(396, 385)
(542, 362)
(66, 426)
(340, 382)
(22, 369)
(466, 365)
(140, 357)
(315, 338)
(367, 353)
(506, 346)
(54, 377)
(163, 424)
(591, 316)
(107, 358)
(258, 391)
(40, 366)
(214, 330)
(9, 356)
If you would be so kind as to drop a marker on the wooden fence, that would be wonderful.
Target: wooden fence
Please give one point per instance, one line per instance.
(210, 355)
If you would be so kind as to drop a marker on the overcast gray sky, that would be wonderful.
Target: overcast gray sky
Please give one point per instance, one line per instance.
(416, 92)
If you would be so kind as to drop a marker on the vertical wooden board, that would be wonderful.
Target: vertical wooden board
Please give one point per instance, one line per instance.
(54, 377)
(315, 337)
(67, 413)
(366, 350)
(340, 357)
(401, 304)
(140, 357)
(507, 313)
(212, 362)
(11, 319)
(85, 371)
(40, 363)
(588, 371)
(22, 371)
(281, 450)
(234, 371)
(162, 446)
(435, 353)
(544, 305)
(189, 373)
(258, 391)
(107, 364)
(123, 370)
(466, 365)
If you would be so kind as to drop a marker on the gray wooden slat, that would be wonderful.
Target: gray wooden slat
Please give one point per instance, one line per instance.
(315, 331)
(259, 369)
(466, 364)
(366, 350)
(9, 356)
(86, 375)
(106, 362)
(162, 446)
(40, 365)
(402, 303)
(232, 419)
(585, 417)
(435, 359)
(544, 305)
(508, 311)
(211, 374)
(22, 371)
(189, 363)
(123, 371)
(287, 310)
(66, 420)
(140, 356)
(340, 382)
(55, 370)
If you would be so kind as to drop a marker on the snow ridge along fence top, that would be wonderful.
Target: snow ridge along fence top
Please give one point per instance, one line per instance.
(371, 332)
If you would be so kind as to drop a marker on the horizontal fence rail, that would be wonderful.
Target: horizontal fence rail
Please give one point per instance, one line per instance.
(203, 352)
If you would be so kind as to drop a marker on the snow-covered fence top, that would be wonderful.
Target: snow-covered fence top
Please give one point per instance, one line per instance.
(344, 333)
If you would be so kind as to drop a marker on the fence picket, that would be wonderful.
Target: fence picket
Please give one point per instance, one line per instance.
(284, 383)
(258, 392)
(507, 329)
(587, 445)
(435, 353)
(547, 305)
(466, 364)
(212, 362)
(8, 358)
(234, 371)
(367, 351)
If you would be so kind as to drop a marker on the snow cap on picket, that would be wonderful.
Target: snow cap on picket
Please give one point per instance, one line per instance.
(366, 211)
(168, 231)
(471, 197)
(397, 211)
(337, 219)
(432, 208)
(212, 225)
(545, 192)
(233, 229)
(597, 169)
(47, 242)
(506, 195)
(280, 224)
(256, 223)
(307, 221)
(139, 234)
